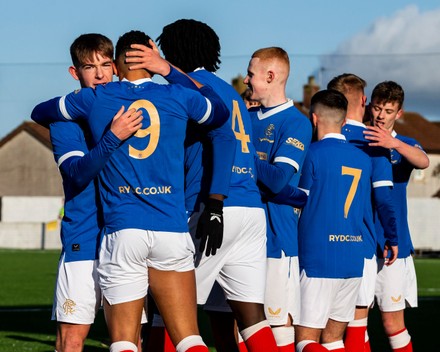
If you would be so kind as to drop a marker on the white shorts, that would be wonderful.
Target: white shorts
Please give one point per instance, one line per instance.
(324, 298)
(396, 285)
(77, 295)
(368, 283)
(123, 276)
(239, 266)
(282, 290)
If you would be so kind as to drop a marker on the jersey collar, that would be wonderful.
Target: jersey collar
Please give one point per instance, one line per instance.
(264, 115)
(138, 81)
(354, 123)
(334, 135)
(394, 134)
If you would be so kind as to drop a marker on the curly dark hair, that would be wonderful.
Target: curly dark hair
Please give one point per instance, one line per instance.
(189, 44)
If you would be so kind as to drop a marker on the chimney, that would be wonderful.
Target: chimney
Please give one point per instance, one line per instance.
(309, 90)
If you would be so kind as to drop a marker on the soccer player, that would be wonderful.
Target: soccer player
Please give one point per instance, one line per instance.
(240, 265)
(281, 135)
(141, 188)
(352, 86)
(77, 293)
(396, 285)
(337, 178)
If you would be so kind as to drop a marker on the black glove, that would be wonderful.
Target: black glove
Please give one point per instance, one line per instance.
(210, 227)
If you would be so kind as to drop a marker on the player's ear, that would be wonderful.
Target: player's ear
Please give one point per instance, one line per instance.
(73, 72)
(270, 76)
(399, 114)
(115, 70)
(364, 100)
(314, 119)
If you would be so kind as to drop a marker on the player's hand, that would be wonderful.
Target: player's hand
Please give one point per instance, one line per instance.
(380, 137)
(210, 227)
(393, 250)
(124, 124)
(147, 58)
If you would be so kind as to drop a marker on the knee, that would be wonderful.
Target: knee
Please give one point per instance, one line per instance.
(392, 323)
(71, 343)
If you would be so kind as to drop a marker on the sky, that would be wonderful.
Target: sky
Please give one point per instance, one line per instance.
(378, 40)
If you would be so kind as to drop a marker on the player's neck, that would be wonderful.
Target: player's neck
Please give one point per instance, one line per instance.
(274, 99)
(134, 75)
(322, 131)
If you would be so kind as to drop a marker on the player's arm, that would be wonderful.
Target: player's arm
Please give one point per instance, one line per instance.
(289, 195)
(72, 106)
(387, 216)
(47, 112)
(81, 168)
(273, 177)
(223, 144)
(384, 138)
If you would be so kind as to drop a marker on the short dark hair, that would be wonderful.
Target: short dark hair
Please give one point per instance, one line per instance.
(329, 98)
(388, 92)
(86, 45)
(133, 37)
(190, 44)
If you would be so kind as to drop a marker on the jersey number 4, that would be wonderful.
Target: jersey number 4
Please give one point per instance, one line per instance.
(241, 134)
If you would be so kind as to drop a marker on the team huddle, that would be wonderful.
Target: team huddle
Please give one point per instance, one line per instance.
(286, 228)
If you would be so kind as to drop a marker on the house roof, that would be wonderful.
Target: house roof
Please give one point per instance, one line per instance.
(35, 130)
(427, 133)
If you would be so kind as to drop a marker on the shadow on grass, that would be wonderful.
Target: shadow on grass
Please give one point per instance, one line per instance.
(22, 323)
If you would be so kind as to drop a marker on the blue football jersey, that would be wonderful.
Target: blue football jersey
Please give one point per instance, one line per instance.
(142, 184)
(337, 177)
(81, 224)
(401, 174)
(382, 176)
(281, 134)
(243, 190)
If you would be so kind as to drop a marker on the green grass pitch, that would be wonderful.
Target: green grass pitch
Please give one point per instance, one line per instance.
(27, 281)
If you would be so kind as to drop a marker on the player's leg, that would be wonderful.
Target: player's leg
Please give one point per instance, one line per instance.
(71, 337)
(175, 296)
(307, 339)
(172, 284)
(341, 312)
(123, 278)
(332, 335)
(76, 301)
(223, 324)
(243, 275)
(282, 299)
(159, 339)
(123, 320)
(396, 288)
(356, 332)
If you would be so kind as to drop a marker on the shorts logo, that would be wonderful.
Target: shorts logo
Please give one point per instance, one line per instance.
(274, 312)
(69, 306)
(396, 300)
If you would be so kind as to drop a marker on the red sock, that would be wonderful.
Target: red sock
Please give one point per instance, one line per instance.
(259, 337)
(355, 338)
(159, 340)
(242, 347)
(401, 341)
(367, 347)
